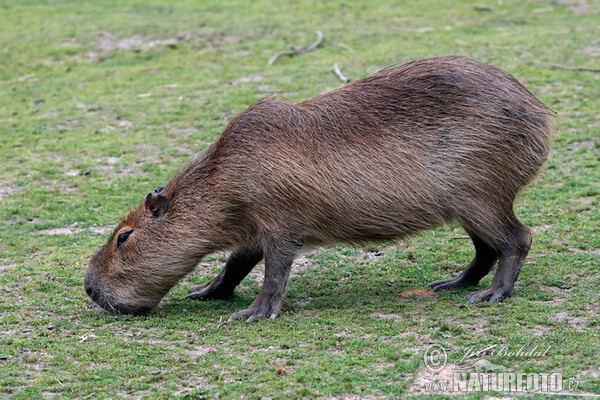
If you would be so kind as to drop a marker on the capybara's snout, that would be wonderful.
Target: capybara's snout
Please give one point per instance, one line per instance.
(97, 293)
(90, 289)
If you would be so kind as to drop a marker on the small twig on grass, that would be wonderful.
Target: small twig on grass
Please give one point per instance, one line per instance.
(221, 322)
(569, 68)
(298, 49)
(345, 46)
(337, 71)
(459, 238)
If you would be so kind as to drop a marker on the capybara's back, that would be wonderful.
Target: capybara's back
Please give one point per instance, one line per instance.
(408, 148)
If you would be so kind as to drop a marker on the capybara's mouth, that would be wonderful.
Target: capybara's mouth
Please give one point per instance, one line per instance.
(121, 308)
(132, 310)
(116, 308)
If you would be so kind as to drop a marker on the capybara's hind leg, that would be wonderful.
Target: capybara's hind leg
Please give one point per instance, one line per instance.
(511, 258)
(239, 264)
(480, 266)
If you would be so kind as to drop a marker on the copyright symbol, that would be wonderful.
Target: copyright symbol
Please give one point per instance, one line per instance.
(435, 358)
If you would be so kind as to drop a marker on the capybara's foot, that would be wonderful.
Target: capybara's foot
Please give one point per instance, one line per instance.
(213, 289)
(452, 283)
(258, 310)
(490, 294)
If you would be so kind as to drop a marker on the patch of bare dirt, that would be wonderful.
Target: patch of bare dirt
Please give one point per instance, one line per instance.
(582, 7)
(73, 229)
(186, 132)
(149, 150)
(124, 170)
(192, 383)
(391, 317)
(73, 172)
(257, 274)
(554, 302)
(123, 123)
(199, 350)
(106, 42)
(592, 51)
(540, 228)
(109, 160)
(565, 317)
(355, 397)
(370, 256)
(248, 79)
(499, 398)
(5, 267)
(421, 292)
(550, 289)
(224, 38)
(479, 323)
(580, 251)
(7, 332)
(350, 335)
(156, 336)
(594, 373)
(584, 144)
(541, 330)
(185, 149)
(301, 264)
(206, 269)
(6, 191)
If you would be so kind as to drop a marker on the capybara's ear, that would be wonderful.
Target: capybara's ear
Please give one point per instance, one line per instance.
(157, 204)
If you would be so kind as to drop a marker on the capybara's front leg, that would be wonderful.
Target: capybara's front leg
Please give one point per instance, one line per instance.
(279, 255)
(238, 265)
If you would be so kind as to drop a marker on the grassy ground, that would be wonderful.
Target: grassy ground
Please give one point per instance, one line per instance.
(102, 101)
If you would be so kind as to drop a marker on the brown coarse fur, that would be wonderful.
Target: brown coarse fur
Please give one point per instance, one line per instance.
(409, 148)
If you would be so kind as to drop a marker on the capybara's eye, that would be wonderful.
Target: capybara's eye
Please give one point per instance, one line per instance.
(123, 237)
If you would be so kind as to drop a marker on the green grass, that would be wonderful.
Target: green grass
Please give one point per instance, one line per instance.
(88, 128)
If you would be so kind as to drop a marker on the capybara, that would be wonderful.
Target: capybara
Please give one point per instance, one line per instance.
(411, 147)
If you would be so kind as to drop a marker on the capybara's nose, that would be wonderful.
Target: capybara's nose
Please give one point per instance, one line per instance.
(89, 287)
(94, 295)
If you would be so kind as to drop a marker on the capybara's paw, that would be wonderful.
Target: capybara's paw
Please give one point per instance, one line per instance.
(198, 288)
(452, 283)
(256, 312)
(212, 289)
(491, 295)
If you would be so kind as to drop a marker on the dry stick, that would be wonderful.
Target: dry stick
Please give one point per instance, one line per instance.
(298, 49)
(342, 77)
(568, 68)
(345, 46)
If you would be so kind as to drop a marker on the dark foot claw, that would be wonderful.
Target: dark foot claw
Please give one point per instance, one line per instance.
(448, 284)
(254, 313)
(489, 294)
(196, 295)
(212, 289)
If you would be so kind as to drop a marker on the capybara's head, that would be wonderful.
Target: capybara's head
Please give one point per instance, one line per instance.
(145, 256)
